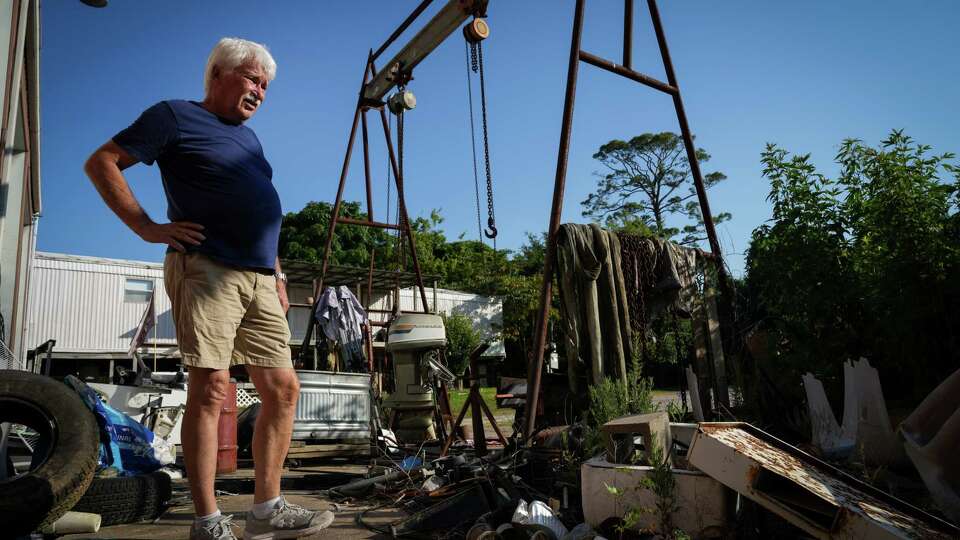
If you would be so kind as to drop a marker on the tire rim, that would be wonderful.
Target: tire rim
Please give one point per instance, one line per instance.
(25, 413)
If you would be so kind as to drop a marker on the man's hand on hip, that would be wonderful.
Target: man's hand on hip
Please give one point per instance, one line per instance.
(173, 234)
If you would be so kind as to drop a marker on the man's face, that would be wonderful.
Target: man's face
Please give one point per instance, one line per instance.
(238, 94)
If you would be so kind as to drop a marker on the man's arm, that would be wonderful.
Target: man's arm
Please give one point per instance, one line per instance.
(104, 167)
(281, 286)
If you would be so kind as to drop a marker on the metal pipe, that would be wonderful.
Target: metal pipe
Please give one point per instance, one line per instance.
(726, 293)
(333, 219)
(627, 33)
(401, 203)
(403, 26)
(540, 341)
(366, 166)
(375, 224)
(373, 253)
(691, 151)
(624, 71)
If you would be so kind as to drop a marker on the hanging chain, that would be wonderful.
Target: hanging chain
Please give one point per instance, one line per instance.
(491, 218)
(474, 63)
(401, 210)
(389, 168)
(472, 52)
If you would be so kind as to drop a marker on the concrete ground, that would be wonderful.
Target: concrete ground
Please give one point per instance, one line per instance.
(300, 486)
(175, 523)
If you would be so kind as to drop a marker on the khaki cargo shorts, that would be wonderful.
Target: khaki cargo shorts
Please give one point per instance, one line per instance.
(225, 316)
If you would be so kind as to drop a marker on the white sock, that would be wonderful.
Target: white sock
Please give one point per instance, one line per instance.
(262, 510)
(203, 521)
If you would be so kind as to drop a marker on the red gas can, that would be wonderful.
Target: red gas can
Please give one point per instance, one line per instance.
(227, 432)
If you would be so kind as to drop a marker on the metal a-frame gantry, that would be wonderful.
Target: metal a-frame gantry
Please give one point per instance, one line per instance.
(376, 84)
(373, 87)
(671, 88)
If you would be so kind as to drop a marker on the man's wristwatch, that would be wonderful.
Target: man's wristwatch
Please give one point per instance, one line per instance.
(280, 276)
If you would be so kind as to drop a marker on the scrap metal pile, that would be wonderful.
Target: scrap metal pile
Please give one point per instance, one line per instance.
(459, 496)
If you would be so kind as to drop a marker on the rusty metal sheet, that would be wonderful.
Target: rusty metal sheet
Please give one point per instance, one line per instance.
(810, 493)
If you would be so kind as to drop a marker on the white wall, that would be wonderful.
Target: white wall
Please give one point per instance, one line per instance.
(79, 301)
(19, 183)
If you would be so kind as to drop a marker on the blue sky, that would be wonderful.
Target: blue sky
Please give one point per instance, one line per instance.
(804, 75)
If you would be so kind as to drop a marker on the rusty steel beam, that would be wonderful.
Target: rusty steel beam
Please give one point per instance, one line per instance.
(448, 19)
(576, 55)
(404, 218)
(335, 214)
(366, 166)
(625, 71)
(366, 223)
(400, 29)
(535, 367)
(627, 33)
(691, 150)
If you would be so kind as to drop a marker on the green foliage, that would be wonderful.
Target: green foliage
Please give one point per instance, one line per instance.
(867, 264)
(665, 339)
(462, 339)
(465, 265)
(612, 399)
(662, 483)
(303, 236)
(647, 181)
(677, 412)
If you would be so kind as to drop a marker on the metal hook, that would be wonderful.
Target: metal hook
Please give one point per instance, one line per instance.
(491, 231)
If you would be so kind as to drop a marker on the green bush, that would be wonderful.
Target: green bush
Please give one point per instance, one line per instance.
(612, 399)
(867, 264)
(462, 339)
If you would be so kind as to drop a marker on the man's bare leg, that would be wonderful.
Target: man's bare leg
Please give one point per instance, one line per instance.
(206, 390)
(279, 389)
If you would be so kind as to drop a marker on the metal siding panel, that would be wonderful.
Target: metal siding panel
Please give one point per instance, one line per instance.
(80, 304)
(332, 406)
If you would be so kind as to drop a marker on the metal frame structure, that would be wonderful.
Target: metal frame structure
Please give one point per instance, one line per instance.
(398, 71)
(671, 88)
(373, 87)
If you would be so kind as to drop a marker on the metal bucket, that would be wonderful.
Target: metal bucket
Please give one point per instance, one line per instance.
(332, 406)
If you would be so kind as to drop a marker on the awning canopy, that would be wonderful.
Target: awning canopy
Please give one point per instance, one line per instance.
(306, 272)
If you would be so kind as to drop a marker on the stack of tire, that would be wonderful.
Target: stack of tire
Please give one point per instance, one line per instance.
(61, 476)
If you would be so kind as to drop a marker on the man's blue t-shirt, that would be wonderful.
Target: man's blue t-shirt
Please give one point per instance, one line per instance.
(214, 173)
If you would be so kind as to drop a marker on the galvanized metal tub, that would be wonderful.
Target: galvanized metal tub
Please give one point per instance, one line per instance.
(332, 406)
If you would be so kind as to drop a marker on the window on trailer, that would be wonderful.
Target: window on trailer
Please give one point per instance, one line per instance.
(137, 290)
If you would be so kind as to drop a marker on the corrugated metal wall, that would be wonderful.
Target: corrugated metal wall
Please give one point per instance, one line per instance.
(79, 301)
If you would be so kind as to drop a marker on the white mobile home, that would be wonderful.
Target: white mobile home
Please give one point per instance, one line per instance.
(91, 306)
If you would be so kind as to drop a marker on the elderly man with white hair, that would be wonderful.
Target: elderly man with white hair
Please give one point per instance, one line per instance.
(221, 272)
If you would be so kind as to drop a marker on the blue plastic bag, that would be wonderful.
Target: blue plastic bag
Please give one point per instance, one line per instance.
(125, 444)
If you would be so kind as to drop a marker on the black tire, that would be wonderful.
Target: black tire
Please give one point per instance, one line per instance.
(63, 468)
(126, 499)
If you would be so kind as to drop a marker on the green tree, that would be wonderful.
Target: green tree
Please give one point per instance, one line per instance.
(648, 181)
(303, 236)
(866, 264)
(462, 339)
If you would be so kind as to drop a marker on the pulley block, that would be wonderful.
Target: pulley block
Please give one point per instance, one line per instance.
(476, 30)
(403, 100)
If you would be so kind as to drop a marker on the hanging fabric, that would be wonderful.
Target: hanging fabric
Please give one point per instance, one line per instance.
(342, 318)
(593, 303)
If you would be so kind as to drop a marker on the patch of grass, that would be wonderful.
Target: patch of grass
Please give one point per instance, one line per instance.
(459, 397)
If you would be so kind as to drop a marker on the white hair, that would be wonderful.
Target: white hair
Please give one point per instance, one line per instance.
(231, 52)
